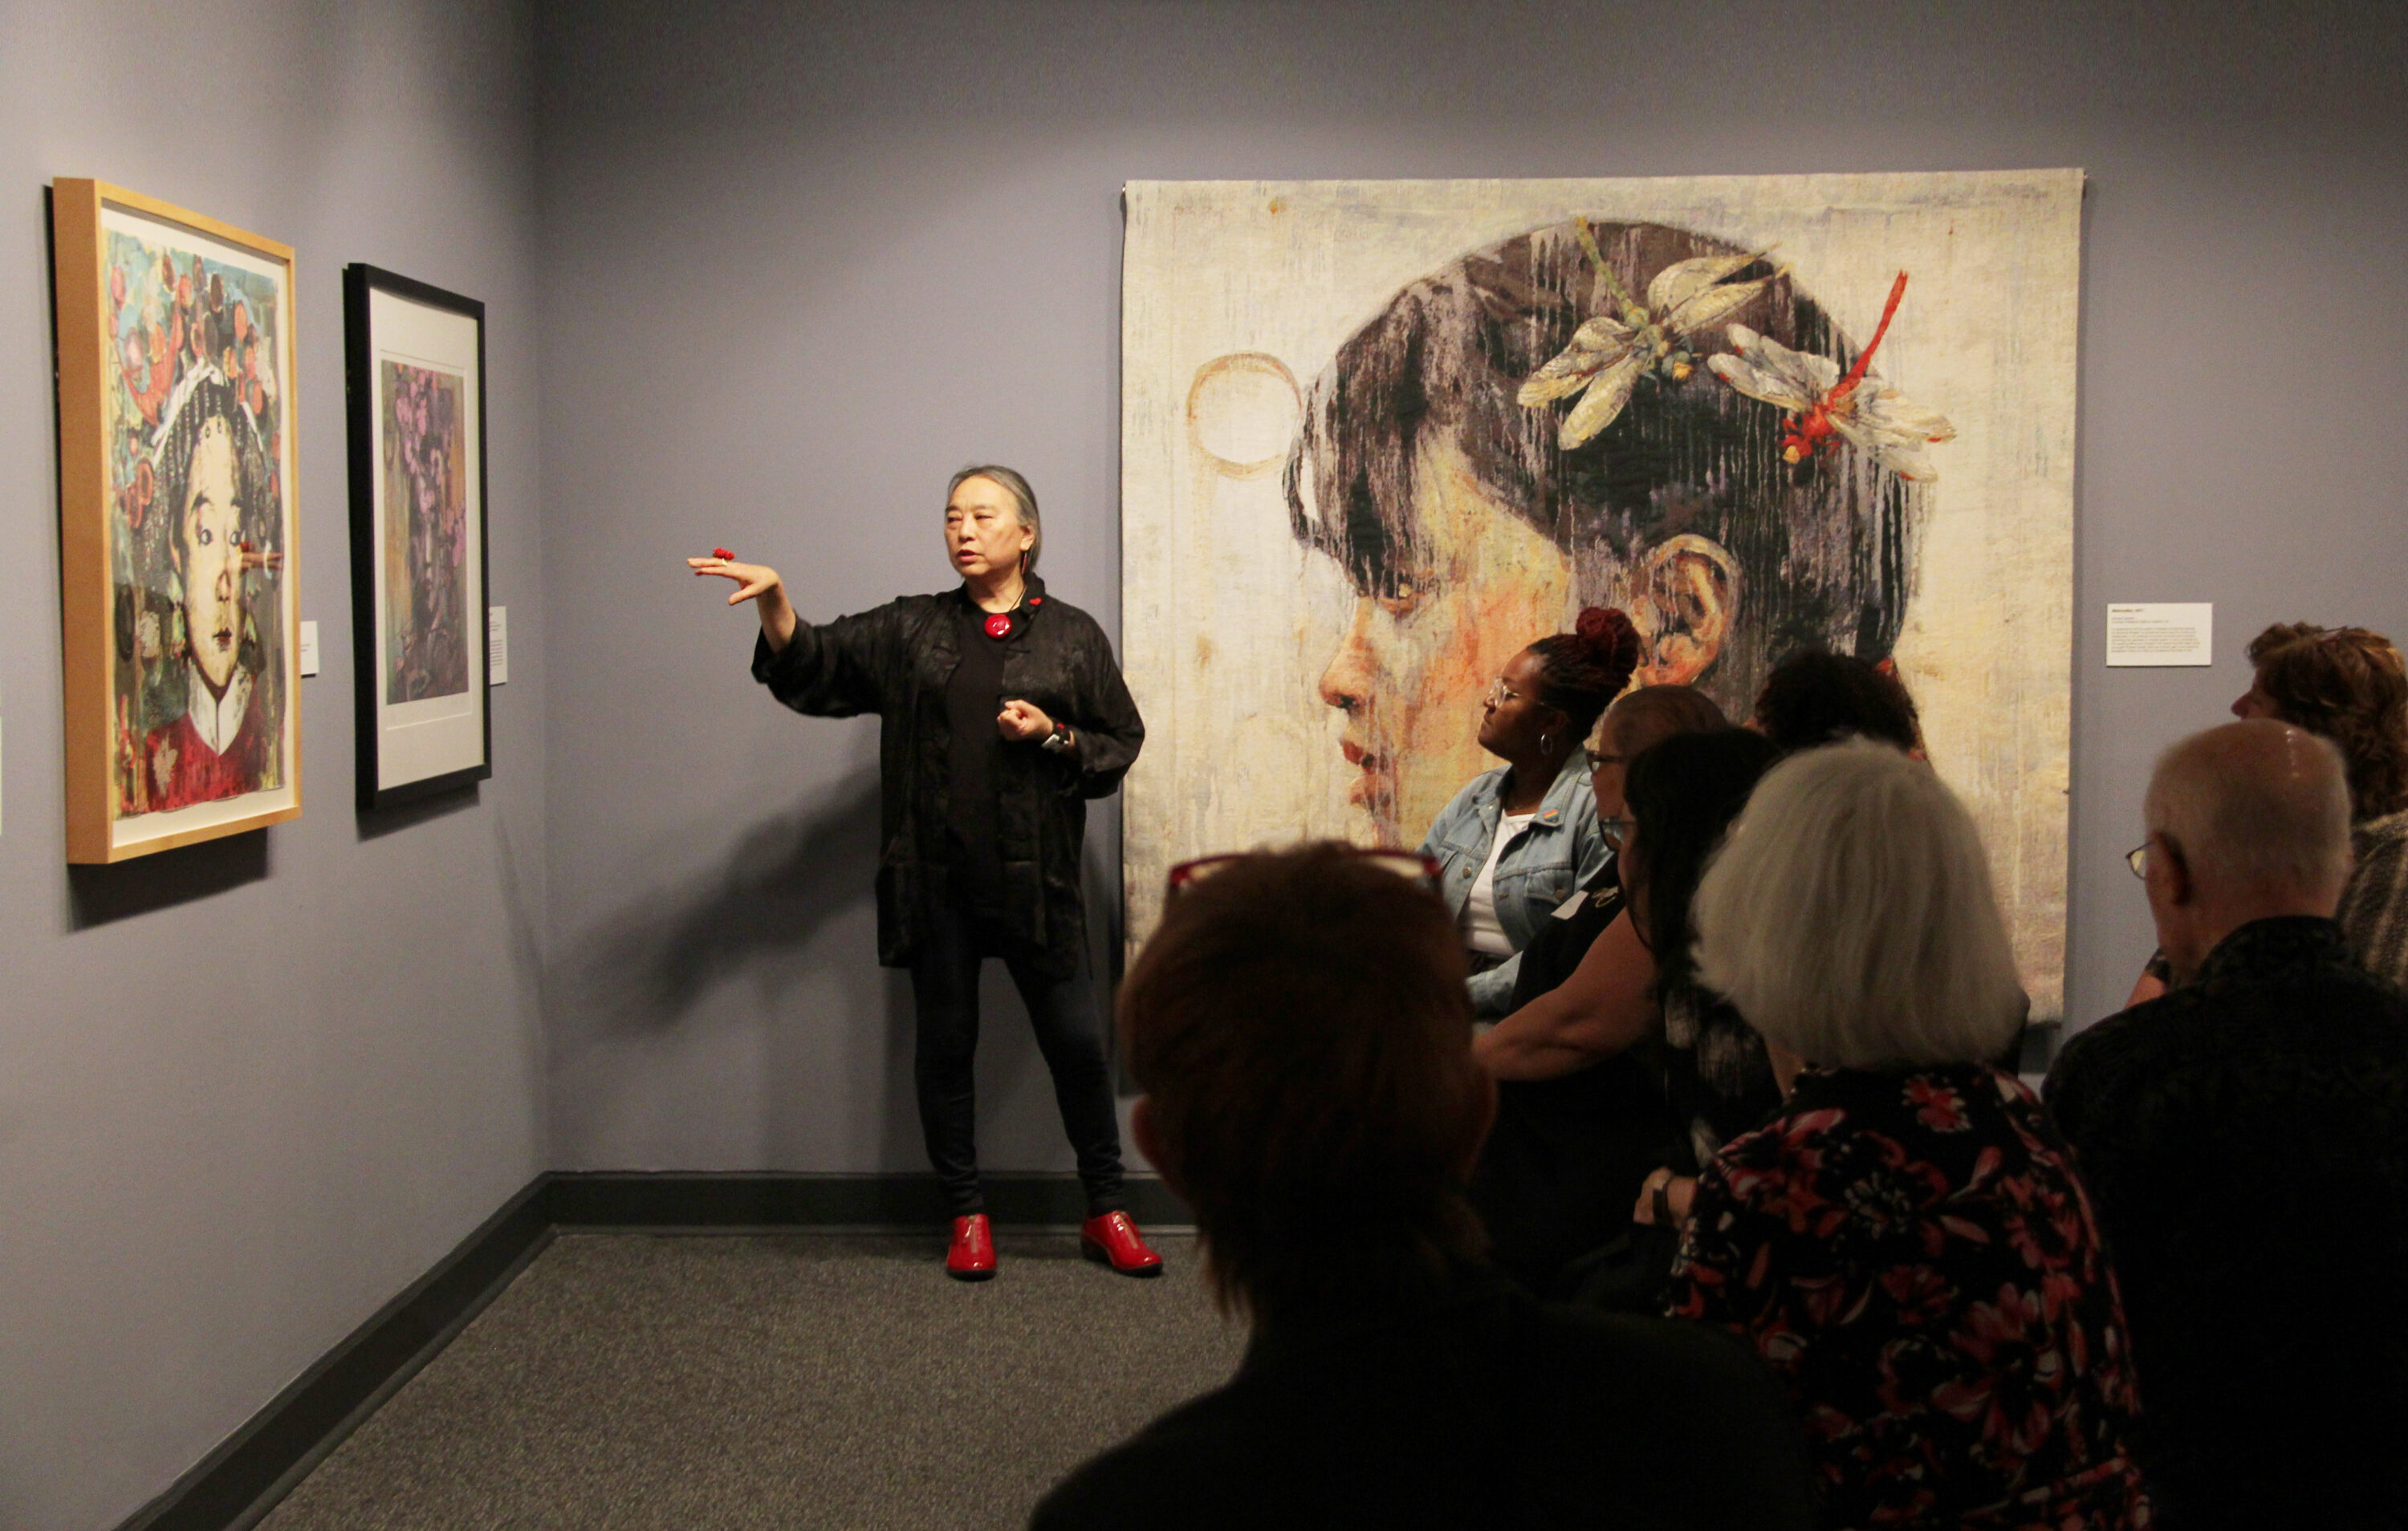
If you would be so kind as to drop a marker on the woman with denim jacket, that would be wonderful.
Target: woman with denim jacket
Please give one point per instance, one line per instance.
(1521, 839)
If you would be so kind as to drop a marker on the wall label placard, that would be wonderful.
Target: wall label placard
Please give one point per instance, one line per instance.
(308, 648)
(497, 644)
(2156, 632)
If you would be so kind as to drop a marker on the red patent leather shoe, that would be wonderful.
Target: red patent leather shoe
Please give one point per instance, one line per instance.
(971, 1257)
(1113, 1239)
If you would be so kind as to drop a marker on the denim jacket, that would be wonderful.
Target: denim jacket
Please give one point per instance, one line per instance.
(1553, 860)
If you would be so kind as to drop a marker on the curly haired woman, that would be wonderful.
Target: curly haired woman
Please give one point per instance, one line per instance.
(1519, 841)
(2350, 686)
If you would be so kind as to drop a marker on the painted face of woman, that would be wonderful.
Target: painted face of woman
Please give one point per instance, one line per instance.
(208, 533)
(1412, 670)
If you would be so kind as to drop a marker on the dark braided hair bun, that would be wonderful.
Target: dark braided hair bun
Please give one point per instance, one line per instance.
(1580, 672)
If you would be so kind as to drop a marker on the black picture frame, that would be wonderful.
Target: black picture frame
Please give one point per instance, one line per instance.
(393, 321)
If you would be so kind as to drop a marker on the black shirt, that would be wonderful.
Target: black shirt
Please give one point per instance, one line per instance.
(1485, 1409)
(1561, 1167)
(2244, 1138)
(893, 661)
(973, 698)
(1559, 943)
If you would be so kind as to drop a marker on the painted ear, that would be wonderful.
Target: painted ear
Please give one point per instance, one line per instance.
(1688, 593)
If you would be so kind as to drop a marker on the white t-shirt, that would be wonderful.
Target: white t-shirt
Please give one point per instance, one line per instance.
(1481, 931)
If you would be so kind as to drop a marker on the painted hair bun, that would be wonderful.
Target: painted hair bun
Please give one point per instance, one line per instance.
(1606, 632)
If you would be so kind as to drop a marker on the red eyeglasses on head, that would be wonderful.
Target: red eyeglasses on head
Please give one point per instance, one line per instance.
(1409, 865)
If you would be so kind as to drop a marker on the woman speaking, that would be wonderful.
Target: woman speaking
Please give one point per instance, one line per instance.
(1001, 713)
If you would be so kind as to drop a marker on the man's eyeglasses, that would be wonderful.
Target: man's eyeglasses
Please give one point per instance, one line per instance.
(1409, 865)
(2138, 860)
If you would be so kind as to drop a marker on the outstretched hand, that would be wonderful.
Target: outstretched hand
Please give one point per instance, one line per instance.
(751, 580)
(1021, 722)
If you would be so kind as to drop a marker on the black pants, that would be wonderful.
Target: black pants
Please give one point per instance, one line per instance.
(945, 995)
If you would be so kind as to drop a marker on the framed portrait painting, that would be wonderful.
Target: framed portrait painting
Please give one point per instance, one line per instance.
(416, 394)
(177, 522)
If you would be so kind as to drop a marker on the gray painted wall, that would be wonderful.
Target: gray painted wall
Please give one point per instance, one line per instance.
(808, 258)
(251, 1089)
(770, 272)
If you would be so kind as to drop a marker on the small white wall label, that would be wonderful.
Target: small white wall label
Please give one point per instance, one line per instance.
(2161, 633)
(308, 648)
(498, 644)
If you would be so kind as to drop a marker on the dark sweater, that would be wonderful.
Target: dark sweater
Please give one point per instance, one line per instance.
(2245, 1141)
(1561, 1167)
(897, 661)
(1487, 1408)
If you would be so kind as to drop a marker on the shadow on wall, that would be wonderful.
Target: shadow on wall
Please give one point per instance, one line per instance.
(98, 894)
(377, 822)
(641, 971)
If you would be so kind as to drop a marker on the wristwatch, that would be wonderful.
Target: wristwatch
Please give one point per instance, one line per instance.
(1059, 741)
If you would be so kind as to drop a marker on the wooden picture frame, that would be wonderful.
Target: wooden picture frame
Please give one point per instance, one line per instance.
(177, 462)
(415, 384)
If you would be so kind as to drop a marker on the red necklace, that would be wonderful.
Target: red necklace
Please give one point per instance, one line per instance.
(999, 624)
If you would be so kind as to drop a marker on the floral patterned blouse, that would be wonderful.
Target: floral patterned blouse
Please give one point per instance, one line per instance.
(1912, 1255)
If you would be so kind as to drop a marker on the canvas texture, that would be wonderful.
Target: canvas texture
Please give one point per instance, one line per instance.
(1378, 436)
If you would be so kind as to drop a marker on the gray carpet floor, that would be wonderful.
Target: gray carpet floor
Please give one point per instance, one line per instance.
(813, 1380)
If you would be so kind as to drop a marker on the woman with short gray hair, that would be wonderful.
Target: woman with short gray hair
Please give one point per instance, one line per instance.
(1905, 1242)
(1002, 712)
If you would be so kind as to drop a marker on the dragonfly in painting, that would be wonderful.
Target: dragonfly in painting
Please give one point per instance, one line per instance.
(1609, 353)
(1822, 402)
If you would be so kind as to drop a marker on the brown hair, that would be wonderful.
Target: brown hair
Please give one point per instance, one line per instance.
(1814, 697)
(1653, 714)
(2349, 685)
(1301, 1029)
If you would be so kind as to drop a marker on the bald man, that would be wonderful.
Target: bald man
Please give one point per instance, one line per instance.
(2245, 1141)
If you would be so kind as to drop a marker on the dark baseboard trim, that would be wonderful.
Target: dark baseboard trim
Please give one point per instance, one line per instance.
(241, 1481)
(254, 1468)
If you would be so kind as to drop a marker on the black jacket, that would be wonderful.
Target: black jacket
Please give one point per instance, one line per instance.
(2244, 1139)
(1483, 1409)
(895, 661)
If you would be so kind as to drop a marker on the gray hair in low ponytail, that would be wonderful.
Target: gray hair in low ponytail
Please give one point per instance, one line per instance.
(1024, 504)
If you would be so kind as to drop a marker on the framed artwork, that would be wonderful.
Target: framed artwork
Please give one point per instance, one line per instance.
(177, 561)
(416, 379)
(1377, 436)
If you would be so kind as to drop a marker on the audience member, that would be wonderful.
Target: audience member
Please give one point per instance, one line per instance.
(1906, 1243)
(1558, 1174)
(2349, 685)
(1684, 795)
(1816, 697)
(1298, 1024)
(1611, 1000)
(2245, 1139)
(1518, 840)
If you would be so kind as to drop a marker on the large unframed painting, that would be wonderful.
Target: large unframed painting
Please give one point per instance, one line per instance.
(1379, 436)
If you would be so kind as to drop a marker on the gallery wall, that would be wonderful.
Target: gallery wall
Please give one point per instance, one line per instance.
(252, 1088)
(802, 260)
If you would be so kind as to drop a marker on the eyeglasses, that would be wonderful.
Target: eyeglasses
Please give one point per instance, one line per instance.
(1598, 762)
(1616, 830)
(2138, 860)
(1500, 693)
(1409, 865)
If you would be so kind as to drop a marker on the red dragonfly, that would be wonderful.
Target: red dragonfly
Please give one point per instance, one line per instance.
(1822, 402)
